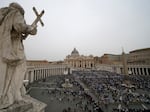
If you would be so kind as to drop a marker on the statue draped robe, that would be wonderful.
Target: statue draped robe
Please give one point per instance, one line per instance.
(12, 57)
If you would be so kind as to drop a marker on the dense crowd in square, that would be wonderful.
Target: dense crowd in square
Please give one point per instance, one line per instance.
(95, 91)
(75, 98)
(124, 91)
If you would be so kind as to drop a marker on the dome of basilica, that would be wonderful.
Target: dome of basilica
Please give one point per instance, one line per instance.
(75, 52)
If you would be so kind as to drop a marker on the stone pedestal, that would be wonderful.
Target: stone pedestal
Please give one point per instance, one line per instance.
(28, 104)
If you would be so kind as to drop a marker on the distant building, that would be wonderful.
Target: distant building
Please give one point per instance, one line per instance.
(37, 63)
(140, 57)
(137, 62)
(136, 57)
(111, 59)
(77, 61)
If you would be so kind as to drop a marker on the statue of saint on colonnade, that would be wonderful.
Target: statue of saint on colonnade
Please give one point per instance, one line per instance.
(13, 31)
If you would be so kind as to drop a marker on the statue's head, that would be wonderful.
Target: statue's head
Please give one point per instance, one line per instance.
(17, 6)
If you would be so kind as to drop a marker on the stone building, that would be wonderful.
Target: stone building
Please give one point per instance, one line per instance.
(111, 59)
(140, 57)
(77, 61)
(137, 62)
(135, 57)
(37, 63)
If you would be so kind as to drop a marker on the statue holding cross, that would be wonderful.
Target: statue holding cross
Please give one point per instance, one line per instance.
(38, 19)
(13, 30)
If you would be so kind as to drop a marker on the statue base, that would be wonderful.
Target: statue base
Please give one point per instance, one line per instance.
(28, 104)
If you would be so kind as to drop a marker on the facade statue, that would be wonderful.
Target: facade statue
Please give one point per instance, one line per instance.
(13, 30)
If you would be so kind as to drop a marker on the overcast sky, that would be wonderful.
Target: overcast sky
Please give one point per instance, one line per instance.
(91, 26)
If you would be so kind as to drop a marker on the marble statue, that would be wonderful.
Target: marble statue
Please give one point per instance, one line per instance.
(13, 30)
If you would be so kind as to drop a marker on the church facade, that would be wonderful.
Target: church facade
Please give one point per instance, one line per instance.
(77, 61)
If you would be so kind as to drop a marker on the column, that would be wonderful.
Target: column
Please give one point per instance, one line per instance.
(136, 71)
(38, 71)
(32, 76)
(48, 72)
(45, 74)
(35, 74)
(133, 71)
(41, 73)
(147, 71)
(38, 74)
(143, 71)
(52, 71)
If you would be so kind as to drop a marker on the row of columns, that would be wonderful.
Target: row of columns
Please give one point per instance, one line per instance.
(42, 73)
(139, 71)
(132, 69)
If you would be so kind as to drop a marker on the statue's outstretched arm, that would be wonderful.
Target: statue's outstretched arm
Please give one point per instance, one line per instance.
(21, 26)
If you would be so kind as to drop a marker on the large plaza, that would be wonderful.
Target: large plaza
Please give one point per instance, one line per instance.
(93, 91)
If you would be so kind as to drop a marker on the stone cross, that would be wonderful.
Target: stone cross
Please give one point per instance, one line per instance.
(38, 19)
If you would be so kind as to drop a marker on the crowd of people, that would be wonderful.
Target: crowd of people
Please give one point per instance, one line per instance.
(76, 98)
(112, 88)
(113, 92)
